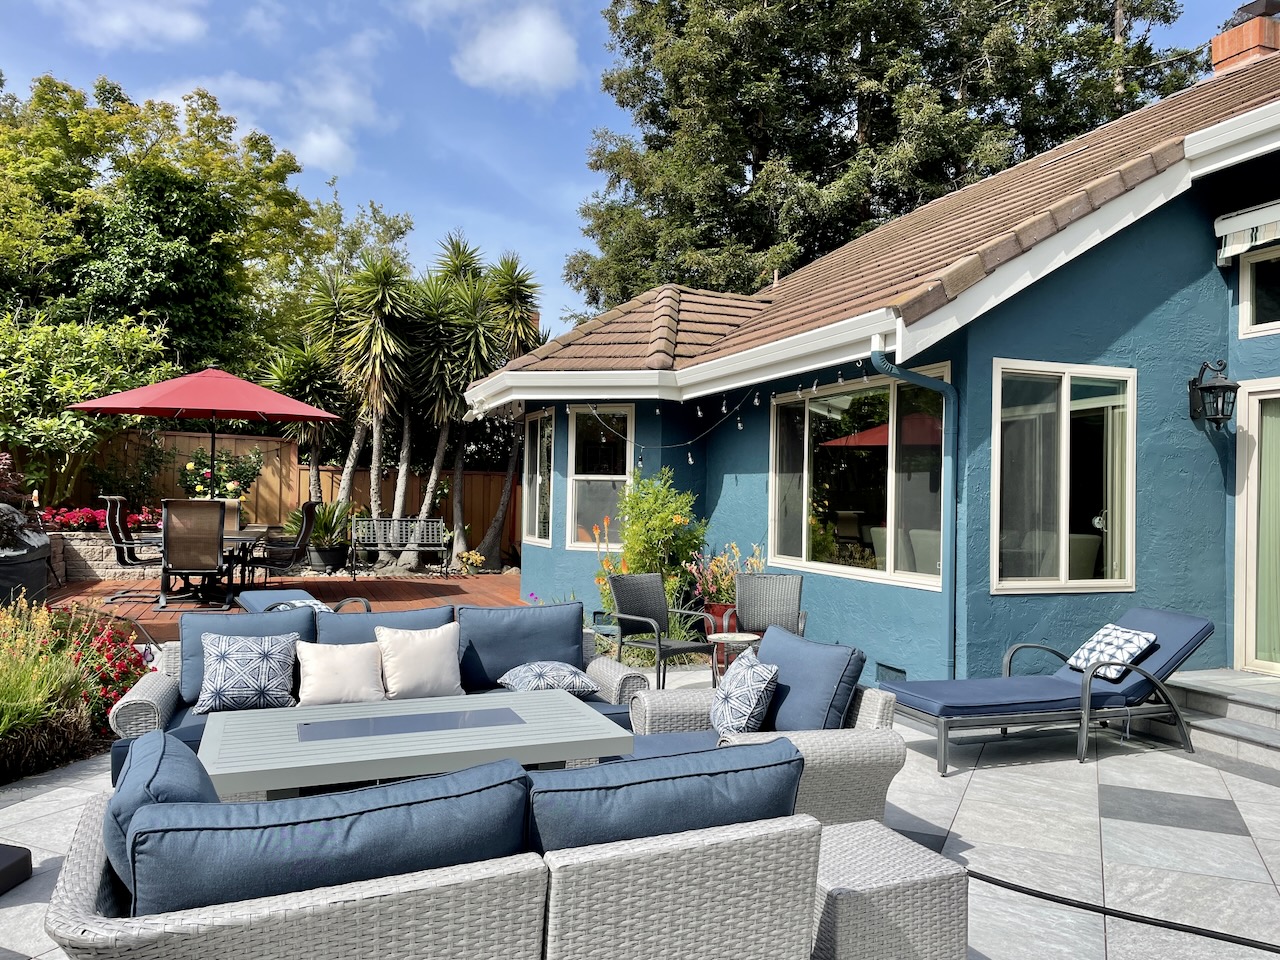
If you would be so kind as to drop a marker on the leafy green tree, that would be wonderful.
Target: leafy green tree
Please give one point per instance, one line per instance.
(308, 371)
(47, 366)
(771, 133)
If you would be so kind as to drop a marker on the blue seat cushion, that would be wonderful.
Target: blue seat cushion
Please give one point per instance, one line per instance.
(247, 850)
(619, 713)
(997, 695)
(256, 601)
(671, 744)
(191, 626)
(662, 795)
(816, 681)
(493, 640)
(158, 769)
(358, 627)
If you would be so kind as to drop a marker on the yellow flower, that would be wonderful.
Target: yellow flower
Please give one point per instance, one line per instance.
(191, 465)
(199, 488)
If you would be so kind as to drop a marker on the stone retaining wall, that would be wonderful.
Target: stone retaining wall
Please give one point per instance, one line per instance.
(90, 556)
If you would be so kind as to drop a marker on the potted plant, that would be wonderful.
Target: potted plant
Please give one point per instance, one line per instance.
(24, 548)
(471, 560)
(330, 535)
(715, 583)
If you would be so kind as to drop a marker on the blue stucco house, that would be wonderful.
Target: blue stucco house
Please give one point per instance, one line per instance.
(969, 427)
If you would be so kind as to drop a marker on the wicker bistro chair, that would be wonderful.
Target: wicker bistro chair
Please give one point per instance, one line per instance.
(126, 549)
(192, 548)
(640, 608)
(280, 555)
(764, 600)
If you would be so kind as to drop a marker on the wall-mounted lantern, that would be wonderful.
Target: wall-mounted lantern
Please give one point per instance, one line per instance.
(1213, 399)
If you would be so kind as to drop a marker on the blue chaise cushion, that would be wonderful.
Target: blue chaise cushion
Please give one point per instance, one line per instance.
(493, 640)
(816, 681)
(158, 769)
(358, 627)
(652, 797)
(185, 855)
(191, 626)
(979, 696)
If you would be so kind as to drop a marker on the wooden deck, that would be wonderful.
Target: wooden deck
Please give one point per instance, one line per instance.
(384, 593)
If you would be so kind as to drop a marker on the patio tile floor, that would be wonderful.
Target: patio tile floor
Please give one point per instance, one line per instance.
(1141, 827)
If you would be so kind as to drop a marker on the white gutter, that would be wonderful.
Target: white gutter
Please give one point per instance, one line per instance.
(1233, 141)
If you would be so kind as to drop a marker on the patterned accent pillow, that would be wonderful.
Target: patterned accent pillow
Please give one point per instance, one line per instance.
(1111, 643)
(311, 602)
(742, 698)
(549, 675)
(246, 673)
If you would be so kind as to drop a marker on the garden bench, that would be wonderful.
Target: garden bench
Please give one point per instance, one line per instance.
(397, 534)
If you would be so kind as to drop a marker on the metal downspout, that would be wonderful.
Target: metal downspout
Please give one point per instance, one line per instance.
(950, 441)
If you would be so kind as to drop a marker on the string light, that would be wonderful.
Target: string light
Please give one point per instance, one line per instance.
(640, 460)
(739, 423)
(839, 376)
(815, 385)
(756, 401)
(699, 411)
(724, 405)
(690, 456)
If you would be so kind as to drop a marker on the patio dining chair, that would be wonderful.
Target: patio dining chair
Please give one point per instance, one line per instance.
(191, 550)
(644, 620)
(127, 550)
(279, 556)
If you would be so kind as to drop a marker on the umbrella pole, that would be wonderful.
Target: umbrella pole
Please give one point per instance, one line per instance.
(213, 453)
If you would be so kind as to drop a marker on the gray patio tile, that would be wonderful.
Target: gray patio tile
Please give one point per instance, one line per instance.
(1245, 790)
(1187, 851)
(1229, 906)
(1162, 770)
(22, 912)
(10, 955)
(1027, 827)
(63, 798)
(1038, 753)
(53, 832)
(1170, 809)
(1138, 941)
(1270, 851)
(1078, 876)
(920, 777)
(57, 953)
(1004, 925)
(1033, 788)
(1263, 819)
(921, 814)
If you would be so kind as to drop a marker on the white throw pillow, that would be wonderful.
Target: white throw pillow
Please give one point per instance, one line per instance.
(339, 673)
(420, 663)
(1111, 643)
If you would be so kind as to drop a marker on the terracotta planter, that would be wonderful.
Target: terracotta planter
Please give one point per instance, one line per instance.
(717, 611)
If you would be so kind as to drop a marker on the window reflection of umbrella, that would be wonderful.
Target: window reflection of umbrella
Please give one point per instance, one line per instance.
(208, 395)
(918, 430)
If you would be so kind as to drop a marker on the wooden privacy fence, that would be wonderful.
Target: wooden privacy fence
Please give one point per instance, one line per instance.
(284, 483)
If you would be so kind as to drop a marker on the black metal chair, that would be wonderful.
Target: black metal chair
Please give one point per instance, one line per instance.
(191, 546)
(126, 549)
(280, 555)
(644, 621)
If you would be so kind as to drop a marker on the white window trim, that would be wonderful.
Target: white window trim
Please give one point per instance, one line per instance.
(529, 498)
(629, 410)
(918, 581)
(1248, 329)
(1001, 366)
(1248, 420)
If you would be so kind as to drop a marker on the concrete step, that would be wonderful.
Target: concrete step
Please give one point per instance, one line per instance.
(1251, 699)
(1235, 739)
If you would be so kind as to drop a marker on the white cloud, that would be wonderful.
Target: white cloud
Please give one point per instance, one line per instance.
(325, 147)
(142, 24)
(431, 13)
(265, 21)
(531, 49)
(245, 98)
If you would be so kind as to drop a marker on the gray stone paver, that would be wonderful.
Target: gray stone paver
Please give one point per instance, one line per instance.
(1021, 809)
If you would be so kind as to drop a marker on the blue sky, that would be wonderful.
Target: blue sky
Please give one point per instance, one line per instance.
(467, 114)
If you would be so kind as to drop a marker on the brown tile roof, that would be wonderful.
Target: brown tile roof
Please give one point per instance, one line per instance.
(922, 260)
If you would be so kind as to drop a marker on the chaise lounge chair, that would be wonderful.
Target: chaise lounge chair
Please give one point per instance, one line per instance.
(1070, 694)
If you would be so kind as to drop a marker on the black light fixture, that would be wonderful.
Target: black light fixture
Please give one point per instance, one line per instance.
(1213, 399)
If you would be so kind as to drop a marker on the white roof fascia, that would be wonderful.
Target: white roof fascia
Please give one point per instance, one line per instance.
(1234, 141)
(506, 386)
(1045, 257)
(839, 342)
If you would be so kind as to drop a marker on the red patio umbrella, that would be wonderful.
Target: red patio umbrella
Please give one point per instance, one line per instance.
(208, 395)
(918, 430)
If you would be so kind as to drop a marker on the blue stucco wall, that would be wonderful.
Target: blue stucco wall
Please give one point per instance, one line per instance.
(1149, 298)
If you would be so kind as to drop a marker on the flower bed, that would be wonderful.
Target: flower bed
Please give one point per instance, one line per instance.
(88, 519)
(61, 670)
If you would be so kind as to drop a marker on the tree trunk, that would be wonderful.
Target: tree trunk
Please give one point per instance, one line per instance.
(459, 527)
(1119, 33)
(402, 470)
(375, 469)
(491, 545)
(313, 472)
(353, 455)
(409, 558)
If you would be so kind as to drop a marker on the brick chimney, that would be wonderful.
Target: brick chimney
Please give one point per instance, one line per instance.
(1258, 36)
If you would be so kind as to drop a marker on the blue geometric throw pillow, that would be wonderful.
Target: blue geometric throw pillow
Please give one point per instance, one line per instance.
(549, 675)
(742, 698)
(1111, 643)
(247, 673)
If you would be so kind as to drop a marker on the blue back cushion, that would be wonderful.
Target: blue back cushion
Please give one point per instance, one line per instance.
(492, 640)
(192, 625)
(652, 797)
(158, 769)
(358, 627)
(816, 681)
(1177, 637)
(185, 855)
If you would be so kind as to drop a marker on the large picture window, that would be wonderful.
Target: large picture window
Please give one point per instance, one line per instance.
(538, 442)
(857, 477)
(1063, 454)
(600, 444)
